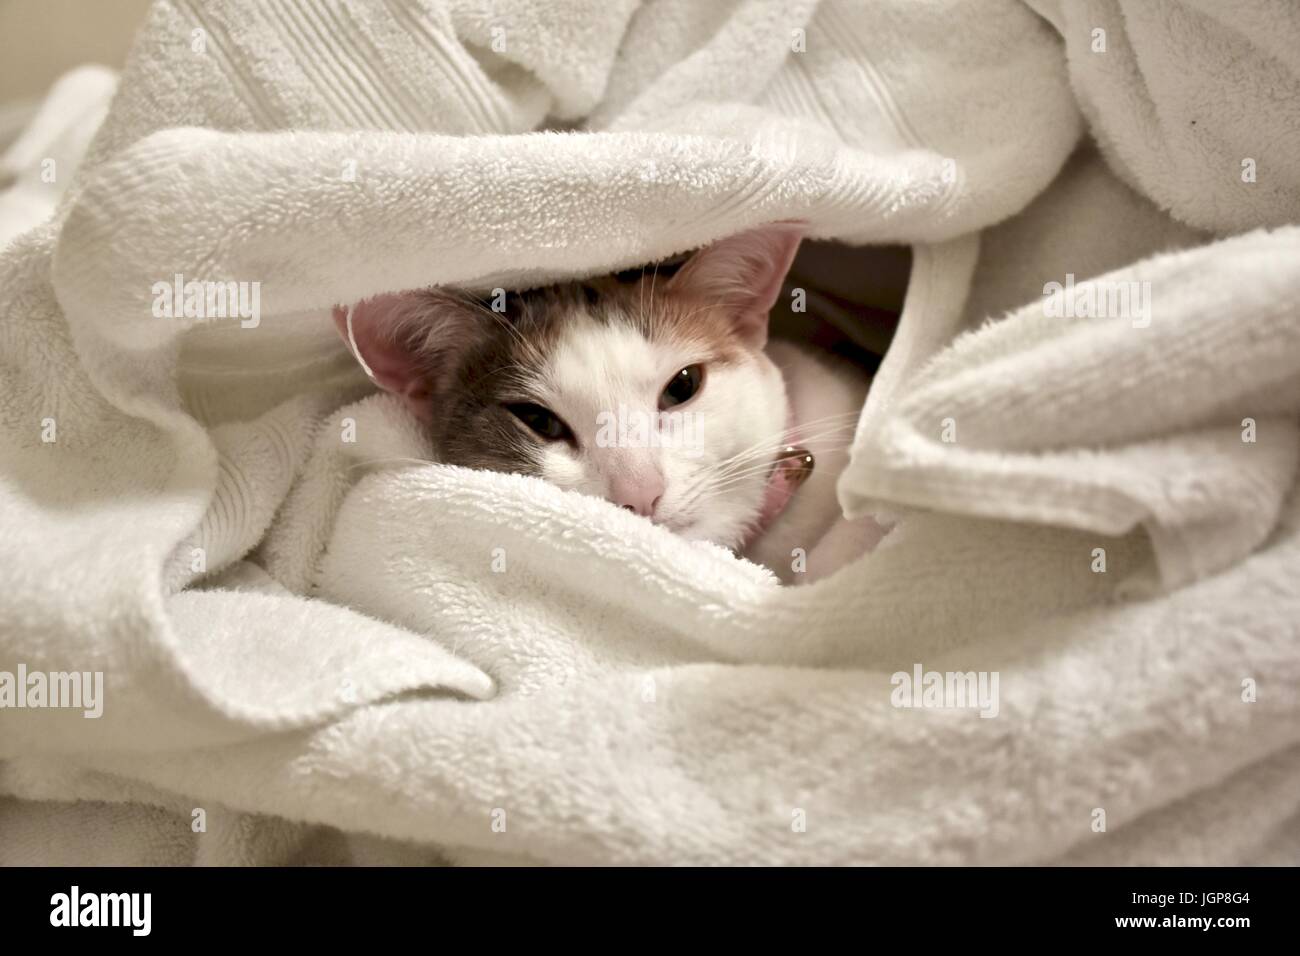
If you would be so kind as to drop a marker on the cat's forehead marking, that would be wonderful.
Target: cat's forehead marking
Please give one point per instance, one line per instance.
(600, 364)
(601, 342)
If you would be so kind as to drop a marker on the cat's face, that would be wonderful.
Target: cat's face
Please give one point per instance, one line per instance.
(654, 394)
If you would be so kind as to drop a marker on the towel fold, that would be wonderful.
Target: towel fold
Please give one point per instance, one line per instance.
(344, 653)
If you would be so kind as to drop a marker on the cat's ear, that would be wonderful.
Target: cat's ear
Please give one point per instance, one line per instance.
(744, 273)
(409, 343)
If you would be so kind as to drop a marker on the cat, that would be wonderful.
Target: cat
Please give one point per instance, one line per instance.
(660, 394)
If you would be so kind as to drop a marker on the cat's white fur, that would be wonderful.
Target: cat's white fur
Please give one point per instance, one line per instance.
(602, 368)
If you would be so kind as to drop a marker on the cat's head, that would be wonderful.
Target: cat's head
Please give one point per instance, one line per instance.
(654, 394)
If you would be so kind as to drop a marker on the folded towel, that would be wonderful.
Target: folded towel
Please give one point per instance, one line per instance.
(297, 622)
(1193, 102)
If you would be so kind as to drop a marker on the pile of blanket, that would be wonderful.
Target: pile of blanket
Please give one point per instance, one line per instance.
(316, 648)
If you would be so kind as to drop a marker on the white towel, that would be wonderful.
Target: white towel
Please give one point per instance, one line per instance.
(1193, 102)
(36, 168)
(203, 521)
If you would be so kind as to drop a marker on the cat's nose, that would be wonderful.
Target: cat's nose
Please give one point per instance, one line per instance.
(639, 494)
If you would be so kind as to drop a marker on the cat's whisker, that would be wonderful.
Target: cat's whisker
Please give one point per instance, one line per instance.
(739, 476)
(843, 420)
(510, 329)
(758, 459)
(522, 371)
(654, 277)
(769, 447)
(694, 312)
(529, 347)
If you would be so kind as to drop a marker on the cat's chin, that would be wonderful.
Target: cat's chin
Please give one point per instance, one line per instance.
(727, 527)
(695, 531)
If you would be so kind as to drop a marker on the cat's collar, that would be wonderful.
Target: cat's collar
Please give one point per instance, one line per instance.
(790, 469)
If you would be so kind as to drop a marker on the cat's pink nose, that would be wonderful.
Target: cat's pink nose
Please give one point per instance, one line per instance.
(640, 494)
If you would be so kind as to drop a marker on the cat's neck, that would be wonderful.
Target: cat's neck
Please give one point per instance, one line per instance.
(824, 398)
(790, 468)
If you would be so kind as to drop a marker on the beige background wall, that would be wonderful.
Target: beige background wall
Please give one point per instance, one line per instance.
(40, 39)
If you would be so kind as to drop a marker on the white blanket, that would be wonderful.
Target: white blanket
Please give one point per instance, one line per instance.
(303, 630)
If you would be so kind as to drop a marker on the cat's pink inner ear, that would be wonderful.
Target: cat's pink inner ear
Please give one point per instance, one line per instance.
(743, 273)
(379, 335)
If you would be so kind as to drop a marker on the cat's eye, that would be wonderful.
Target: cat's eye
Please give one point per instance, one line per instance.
(682, 387)
(542, 420)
